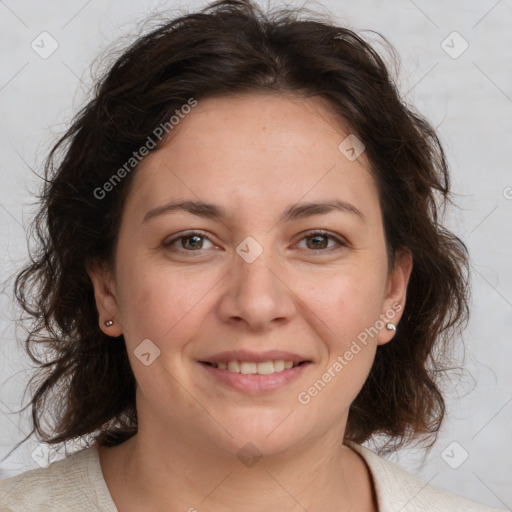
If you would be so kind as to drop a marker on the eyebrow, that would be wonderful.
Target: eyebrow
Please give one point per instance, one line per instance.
(293, 212)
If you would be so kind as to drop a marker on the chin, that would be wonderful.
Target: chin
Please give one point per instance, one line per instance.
(269, 434)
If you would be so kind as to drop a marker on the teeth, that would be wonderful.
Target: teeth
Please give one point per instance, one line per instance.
(279, 365)
(251, 368)
(266, 368)
(248, 368)
(233, 366)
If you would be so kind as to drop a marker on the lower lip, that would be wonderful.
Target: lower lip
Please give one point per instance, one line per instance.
(256, 384)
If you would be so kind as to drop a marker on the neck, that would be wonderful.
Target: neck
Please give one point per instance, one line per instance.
(169, 473)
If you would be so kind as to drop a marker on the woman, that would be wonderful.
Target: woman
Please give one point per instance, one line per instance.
(243, 277)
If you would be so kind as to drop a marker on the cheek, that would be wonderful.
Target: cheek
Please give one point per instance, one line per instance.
(348, 302)
(161, 304)
(349, 309)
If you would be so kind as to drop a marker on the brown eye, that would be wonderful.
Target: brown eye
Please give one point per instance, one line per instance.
(189, 242)
(192, 242)
(319, 241)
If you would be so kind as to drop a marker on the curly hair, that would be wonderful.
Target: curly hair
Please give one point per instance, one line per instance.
(227, 48)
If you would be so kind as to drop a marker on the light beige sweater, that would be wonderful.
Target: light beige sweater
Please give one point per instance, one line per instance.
(76, 484)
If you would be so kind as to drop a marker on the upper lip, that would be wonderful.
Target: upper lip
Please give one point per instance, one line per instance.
(255, 357)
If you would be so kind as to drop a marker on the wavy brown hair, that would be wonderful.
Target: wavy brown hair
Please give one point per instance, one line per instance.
(227, 48)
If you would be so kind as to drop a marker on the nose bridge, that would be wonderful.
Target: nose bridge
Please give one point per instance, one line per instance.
(254, 270)
(257, 294)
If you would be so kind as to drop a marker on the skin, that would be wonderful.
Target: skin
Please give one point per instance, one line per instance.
(254, 155)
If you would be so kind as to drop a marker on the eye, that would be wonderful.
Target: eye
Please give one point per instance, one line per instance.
(320, 239)
(190, 242)
(194, 241)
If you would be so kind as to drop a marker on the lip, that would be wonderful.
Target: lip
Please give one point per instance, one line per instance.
(254, 357)
(255, 384)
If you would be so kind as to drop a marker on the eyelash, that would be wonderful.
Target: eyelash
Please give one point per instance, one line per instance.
(309, 234)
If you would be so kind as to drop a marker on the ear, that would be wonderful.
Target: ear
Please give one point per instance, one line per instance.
(396, 291)
(105, 295)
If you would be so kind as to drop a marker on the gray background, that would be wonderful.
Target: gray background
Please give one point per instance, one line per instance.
(469, 99)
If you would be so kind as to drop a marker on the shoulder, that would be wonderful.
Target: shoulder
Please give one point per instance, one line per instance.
(71, 483)
(397, 489)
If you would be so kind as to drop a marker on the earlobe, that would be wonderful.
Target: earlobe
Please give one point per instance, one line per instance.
(106, 303)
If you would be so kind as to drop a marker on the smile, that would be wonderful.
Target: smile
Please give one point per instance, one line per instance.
(250, 367)
(253, 378)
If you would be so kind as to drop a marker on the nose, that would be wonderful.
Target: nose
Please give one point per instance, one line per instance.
(257, 294)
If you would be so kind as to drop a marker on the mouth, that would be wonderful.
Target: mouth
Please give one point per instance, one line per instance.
(254, 373)
(252, 368)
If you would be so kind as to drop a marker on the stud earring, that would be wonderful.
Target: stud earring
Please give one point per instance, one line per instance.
(108, 323)
(391, 327)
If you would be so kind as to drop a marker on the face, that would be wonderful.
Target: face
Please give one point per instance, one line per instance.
(247, 279)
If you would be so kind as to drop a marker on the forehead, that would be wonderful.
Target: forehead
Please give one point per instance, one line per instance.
(254, 150)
